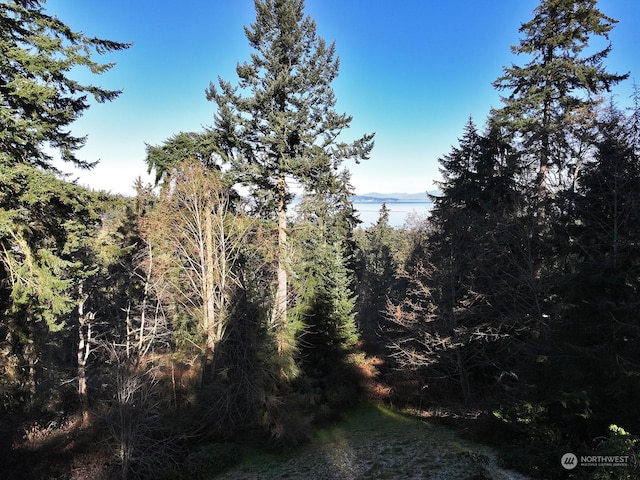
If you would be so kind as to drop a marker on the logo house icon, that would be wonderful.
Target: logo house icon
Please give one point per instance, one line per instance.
(569, 461)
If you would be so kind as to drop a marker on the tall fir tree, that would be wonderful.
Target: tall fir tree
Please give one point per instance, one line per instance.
(44, 222)
(556, 89)
(466, 295)
(279, 124)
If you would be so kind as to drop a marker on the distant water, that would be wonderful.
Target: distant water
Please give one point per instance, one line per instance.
(369, 212)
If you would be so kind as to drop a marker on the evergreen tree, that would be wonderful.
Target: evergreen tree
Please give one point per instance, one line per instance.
(44, 222)
(325, 307)
(280, 123)
(324, 226)
(599, 290)
(468, 296)
(324, 302)
(201, 147)
(330, 210)
(557, 88)
(38, 98)
(45, 226)
(377, 267)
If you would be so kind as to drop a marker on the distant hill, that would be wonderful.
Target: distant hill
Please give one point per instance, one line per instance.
(375, 197)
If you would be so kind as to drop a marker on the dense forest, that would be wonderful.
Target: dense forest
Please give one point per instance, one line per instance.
(158, 336)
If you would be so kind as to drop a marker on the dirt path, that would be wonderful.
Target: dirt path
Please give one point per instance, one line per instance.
(376, 443)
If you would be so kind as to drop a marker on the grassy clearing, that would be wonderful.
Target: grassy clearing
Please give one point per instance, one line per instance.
(373, 442)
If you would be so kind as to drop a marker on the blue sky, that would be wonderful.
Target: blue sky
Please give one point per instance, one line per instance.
(412, 71)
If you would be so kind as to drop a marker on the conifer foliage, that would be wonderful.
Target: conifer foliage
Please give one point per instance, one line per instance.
(325, 303)
(551, 97)
(279, 123)
(523, 298)
(45, 223)
(200, 311)
(39, 99)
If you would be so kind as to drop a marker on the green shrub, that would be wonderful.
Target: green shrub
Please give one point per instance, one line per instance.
(619, 442)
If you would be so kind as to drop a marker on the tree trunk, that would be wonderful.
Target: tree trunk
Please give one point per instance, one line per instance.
(31, 355)
(209, 279)
(463, 378)
(129, 326)
(542, 194)
(221, 259)
(145, 298)
(84, 346)
(279, 315)
(543, 171)
(82, 373)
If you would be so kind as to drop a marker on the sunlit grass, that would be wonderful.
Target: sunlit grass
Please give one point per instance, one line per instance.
(374, 442)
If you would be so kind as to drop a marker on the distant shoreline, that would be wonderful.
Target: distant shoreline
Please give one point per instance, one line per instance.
(395, 197)
(399, 211)
(387, 200)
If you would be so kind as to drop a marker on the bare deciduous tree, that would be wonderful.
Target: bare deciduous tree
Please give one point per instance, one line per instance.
(198, 240)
